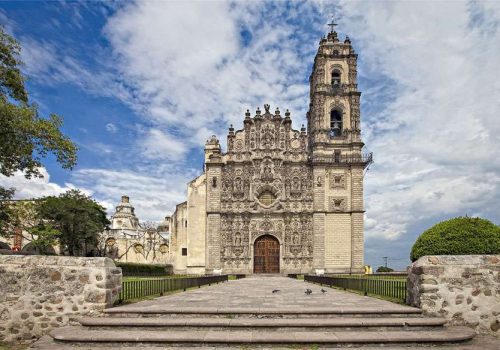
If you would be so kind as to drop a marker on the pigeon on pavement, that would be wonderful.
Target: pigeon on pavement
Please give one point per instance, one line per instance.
(323, 291)
(308, 291)
(275, 291)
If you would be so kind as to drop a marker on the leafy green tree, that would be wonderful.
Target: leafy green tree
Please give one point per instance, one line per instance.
(384, 269)
(458, 236)
(6, 214)
(25, 137)
(78, 219)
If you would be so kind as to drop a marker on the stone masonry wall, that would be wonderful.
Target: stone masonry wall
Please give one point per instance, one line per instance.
(464, 289)
(39, 293)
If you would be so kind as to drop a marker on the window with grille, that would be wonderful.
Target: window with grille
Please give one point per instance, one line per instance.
(267, 198)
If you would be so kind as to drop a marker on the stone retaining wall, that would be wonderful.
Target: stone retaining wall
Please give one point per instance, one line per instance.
(39, 293)
(464, 289)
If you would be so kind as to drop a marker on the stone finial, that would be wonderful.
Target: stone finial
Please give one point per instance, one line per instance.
(125, 199)
(347, 40)
(303, 129)
(332, 36)
(247, 114)
(213, 140)
(287, 113)
(231, 129)
(257, 111)
(277, 111)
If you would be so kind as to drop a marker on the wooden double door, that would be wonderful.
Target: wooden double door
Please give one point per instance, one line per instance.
(266, 255)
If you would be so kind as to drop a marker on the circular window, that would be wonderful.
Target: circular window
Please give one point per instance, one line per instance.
(267, 198)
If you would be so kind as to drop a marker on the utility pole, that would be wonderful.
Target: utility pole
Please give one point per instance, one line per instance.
(385, 260)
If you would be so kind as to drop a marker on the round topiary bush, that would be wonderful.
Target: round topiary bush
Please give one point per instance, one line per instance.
(458, 236)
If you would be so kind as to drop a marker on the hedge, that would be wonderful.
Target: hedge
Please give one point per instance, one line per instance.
(136, 269)
(458, 236)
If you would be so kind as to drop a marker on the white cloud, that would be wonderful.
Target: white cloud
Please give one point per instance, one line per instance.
(35, 187)
(190, 71)
(158, 145)
(153, 195)
(436, 139)
(112, 128)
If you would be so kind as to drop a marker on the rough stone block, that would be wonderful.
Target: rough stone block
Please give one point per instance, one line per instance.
(464, 289)
(39, 293)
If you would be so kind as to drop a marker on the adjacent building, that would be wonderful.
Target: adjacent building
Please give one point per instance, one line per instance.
(126, 240)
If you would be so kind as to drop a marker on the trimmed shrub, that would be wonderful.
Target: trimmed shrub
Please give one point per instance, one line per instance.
(136, 269)
(458, 236)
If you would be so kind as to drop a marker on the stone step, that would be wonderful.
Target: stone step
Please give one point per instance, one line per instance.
(263, 322)
(166, 310)
(82, 336)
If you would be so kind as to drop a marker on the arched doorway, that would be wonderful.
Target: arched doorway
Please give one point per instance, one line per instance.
(266, 255)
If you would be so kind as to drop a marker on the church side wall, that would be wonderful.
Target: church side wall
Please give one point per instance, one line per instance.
(357, 218)
(338, 242)
(213, 171)
(342, 227)
(180, 235)
(196, 217)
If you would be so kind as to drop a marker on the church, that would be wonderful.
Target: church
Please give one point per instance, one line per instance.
(282, 200)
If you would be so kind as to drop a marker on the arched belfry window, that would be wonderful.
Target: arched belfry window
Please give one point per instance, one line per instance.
(336, 75)
(335, 123)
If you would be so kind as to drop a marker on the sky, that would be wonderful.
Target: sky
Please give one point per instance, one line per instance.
(142, 85)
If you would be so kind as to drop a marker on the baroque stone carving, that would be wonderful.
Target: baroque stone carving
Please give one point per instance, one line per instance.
(337, 180)
(338, 204)
(271, 175)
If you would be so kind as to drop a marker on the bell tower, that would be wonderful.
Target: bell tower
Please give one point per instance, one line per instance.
(335, 153)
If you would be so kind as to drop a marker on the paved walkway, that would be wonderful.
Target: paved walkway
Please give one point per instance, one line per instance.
(246, 296)
(255, 292)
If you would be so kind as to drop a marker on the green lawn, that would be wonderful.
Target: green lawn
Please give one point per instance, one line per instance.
(374, 277)
(383, 297)
(138, 278)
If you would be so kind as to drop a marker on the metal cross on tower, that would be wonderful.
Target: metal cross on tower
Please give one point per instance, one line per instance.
(332, 25)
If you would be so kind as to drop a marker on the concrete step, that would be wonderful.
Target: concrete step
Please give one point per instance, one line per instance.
(82, 336)
(263, 322)
(168, 310)
(480, 342)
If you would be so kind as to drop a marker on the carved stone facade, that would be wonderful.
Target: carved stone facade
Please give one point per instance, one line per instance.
(304, 189)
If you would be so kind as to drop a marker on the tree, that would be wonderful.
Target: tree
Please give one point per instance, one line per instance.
(26, 220)
(458, 236)
(384, 269)
(6, 214)
(78, 219)
(25, 137)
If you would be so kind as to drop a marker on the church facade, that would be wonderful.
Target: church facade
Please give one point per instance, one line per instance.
(282, 200)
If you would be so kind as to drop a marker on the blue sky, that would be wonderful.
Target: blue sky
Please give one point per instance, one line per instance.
(142, 85)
